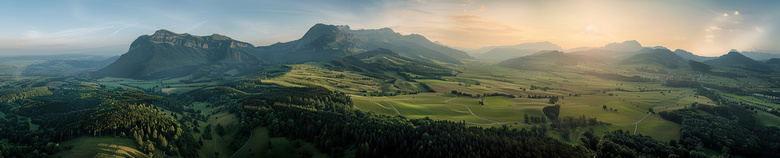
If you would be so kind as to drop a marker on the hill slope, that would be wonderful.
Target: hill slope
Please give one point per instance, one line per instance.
(548, 60)
(659, 57)
(377, 62)
(690, 56)
(736, 59)
(326, 42)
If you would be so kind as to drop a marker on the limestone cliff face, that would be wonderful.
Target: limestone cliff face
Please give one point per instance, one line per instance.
(164, 53)
(187, 40)
(168, 54)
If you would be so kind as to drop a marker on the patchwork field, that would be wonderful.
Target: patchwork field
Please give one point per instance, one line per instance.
(621, 104)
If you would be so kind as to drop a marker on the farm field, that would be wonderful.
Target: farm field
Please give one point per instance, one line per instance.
(582, 95)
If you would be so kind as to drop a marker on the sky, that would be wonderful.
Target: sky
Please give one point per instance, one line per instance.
(704, 27)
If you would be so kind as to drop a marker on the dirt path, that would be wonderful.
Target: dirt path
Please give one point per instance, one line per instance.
(247, 142)
(637, 123)
(467, 107)
(391, 105)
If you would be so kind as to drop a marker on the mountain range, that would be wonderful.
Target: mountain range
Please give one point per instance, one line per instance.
(167, 54)
(620, 50)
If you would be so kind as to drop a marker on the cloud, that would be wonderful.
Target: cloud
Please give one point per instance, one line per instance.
(468, 3)
(709, 37)
(713, 28)
(64, 34)
(736, 12)
(725, 14)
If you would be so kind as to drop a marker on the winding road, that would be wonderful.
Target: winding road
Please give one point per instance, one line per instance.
(247, 142)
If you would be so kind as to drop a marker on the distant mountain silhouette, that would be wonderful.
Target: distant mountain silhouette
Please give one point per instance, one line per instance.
(532, 46)
(549, 60)
(613, 51)
(760, 56)
(513, 51)
(326, 42)
(690, 56)
(737, 60)
(168, 54)
(658, 57)
(626, 46)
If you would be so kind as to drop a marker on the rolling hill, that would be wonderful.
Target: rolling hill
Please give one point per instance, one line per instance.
(659, 57)
(380, 61)
(549, 60)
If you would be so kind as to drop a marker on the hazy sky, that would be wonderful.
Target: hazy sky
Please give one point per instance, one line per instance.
(704, 27)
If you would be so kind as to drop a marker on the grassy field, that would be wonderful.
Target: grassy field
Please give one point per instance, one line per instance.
(305, 75)
(220, 144)
(107, 146)
(449, 107)
(658, 128)
(761, 102)
(767, 119)
(627, 102)
(168, 85)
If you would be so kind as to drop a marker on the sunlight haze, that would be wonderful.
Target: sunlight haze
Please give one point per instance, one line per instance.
(708, 28)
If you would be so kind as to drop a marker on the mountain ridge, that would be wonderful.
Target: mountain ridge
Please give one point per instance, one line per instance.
(738, 60)
(340, 41)
(168, 54)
